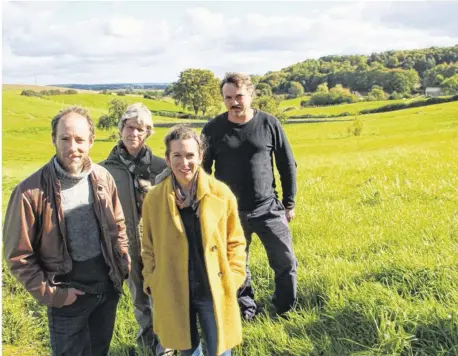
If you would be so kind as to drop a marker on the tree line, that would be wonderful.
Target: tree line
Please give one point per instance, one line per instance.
(395, 71)
(30, 92)
(332, 79)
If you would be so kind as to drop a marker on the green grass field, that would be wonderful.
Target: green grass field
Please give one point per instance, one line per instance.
(353, 108)
(375, 234)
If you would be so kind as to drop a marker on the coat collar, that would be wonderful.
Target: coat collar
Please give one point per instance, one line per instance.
(212, 206)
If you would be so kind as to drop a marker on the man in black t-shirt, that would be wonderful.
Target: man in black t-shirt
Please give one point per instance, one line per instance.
(243, 143)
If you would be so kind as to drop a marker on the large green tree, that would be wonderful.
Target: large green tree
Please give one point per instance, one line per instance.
(116, 109)
(197, 90)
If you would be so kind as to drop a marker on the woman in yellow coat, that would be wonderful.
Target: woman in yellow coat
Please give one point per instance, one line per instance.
(193, 251)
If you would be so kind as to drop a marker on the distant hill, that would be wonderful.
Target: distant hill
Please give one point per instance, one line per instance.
(114, 86)
(404, 71)
(7, 87)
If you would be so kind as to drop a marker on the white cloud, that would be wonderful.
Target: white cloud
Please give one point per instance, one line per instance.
(124, 27)
(116, 42)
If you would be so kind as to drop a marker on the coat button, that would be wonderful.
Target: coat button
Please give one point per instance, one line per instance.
(214, 248)
(220, 274)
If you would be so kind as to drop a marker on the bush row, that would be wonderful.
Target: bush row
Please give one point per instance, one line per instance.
(414, 104)
(320, 116)
(29, 92)
(386, 108)
(180, 115)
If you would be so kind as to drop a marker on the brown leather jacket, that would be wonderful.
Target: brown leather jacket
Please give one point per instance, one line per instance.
(34, 231)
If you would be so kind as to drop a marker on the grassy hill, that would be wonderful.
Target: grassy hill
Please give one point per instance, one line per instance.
(375, 235)
(353, 108)
(37, 111)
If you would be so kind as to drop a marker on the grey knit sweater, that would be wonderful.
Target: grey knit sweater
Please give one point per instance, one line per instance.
(89, 272)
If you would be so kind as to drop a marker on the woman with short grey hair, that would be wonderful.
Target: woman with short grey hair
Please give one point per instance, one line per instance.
(134, 168)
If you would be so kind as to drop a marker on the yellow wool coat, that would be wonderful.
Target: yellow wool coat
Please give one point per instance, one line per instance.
(165, 259)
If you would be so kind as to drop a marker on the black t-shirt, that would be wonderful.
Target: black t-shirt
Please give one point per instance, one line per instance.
(243, 155)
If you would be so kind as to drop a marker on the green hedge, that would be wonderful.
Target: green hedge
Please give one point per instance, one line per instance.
(386, 108)
(180, 115)
(414, 104)
(30, 92)
(319, 116)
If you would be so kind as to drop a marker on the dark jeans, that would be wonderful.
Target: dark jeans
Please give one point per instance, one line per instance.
(85, 327)
(142, 304)
(269, 222)
(203, 309)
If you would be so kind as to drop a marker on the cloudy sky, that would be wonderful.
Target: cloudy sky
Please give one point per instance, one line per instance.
(138, 42)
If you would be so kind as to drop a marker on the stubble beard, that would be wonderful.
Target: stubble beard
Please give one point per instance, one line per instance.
(76, 167)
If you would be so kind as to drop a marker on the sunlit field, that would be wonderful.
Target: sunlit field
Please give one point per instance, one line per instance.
(375, 234)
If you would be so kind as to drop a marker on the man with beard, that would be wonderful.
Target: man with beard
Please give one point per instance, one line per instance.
(65, 240)
(134, 168)
(243, 142)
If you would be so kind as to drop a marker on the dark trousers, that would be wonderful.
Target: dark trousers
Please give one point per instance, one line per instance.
(142, 304)
(85, 327)
(269, 222)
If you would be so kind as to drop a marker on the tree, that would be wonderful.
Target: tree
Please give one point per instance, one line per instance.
(398, 71)
(295, 89)
(255, 78)
(168, 91)
(322, 88)
(116, 109)
(376, 93)
(392, 62)
(336, 95)
(271, 105)
(263, 89)
(197, 90)
(450, 85)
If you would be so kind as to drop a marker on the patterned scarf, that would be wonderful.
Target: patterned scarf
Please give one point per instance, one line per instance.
(139, 167)
(186, 199)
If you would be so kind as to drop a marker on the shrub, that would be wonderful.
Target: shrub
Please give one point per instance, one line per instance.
(321, 116)
(337, 95)
(272, 106)
(414, 104)
(42, 93)
(376, 93)
(29, 92)
(395, 96)
(180, 115)
(295, 89)
(356, 128)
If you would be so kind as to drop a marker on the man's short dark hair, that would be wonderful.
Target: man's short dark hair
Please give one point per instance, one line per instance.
(239, 80)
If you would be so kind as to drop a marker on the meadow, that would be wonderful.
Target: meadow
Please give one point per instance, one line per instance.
(375, 234)
(293, 107)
